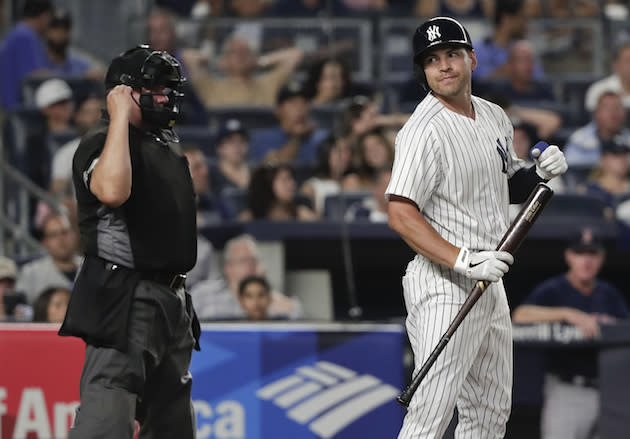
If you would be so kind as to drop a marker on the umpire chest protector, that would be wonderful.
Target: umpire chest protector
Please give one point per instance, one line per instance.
(155, 229)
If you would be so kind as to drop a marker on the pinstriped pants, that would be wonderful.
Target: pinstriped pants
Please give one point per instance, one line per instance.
(473, 372)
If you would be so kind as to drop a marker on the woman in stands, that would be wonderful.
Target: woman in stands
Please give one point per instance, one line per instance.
(333, 163)
(272, 196)
(374, 152)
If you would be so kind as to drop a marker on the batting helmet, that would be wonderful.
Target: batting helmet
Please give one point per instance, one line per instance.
(437, 31)
(143, 68)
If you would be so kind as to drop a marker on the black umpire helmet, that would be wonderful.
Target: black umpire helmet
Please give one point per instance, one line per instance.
(143, 69)
(438, 31)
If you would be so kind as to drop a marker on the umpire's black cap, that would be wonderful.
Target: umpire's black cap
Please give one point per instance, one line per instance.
(436, 32)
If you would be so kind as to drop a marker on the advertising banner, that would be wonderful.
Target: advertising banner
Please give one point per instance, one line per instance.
(251, 381)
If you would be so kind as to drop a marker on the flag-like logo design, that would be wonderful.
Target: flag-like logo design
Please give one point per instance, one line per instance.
(327, 397)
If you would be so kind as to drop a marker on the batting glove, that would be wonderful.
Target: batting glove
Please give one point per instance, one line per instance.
(551, 163)
(485, 265)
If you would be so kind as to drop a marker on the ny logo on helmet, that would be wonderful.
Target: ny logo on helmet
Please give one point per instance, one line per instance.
(433, 32)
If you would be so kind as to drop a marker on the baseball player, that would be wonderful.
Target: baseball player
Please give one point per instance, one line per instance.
(455, 173)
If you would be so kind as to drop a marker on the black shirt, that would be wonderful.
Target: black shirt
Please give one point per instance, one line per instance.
(155, 229)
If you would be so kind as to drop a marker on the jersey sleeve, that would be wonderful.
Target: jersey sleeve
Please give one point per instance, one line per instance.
(84, 161)
(417, 164)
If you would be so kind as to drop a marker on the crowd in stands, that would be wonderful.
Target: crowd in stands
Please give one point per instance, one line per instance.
(272, 130)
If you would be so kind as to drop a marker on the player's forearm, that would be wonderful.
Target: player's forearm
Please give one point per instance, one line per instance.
(414, 229)
(111, 178)
(539, 314)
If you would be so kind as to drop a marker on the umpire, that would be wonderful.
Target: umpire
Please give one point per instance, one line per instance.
(137, 221)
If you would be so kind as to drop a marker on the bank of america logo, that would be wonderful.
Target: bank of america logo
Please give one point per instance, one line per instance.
(327, 397)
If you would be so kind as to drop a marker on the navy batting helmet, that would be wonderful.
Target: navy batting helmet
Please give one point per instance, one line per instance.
(437, 31)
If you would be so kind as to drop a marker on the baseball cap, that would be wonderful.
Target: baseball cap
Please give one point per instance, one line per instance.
(615, 146)
(292, 89)
(229, 127)
(61, 19)
(52, 91)
(586, 240)
(8, 269)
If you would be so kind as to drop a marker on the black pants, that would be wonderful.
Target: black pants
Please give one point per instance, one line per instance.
(150, 382)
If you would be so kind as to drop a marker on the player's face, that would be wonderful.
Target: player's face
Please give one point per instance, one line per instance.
(449, 70)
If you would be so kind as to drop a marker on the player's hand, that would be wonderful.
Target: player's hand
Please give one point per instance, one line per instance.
(119, 102)
(484, 265)
(550, 163)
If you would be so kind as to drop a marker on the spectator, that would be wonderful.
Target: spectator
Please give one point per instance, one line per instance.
(618, 81)
(361, 115)
(218, 299)
(510, 24)
(271, 196)
(609, 124)
(521, 85)
(88, 113)
(329, 81)
(13, 304)
(296, 138)
(211, 210)
(50, 306)
(240, 84)
(374, 208)
(254, 296)
(53, 98)
(454, 8)
(22, 52)
(333, 163)
(62, 59)
(579, 298)
(231, 170)
(59, 266)
(374, 152)
(609, 180)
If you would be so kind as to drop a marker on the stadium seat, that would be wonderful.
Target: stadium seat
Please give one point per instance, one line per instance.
(336, 206)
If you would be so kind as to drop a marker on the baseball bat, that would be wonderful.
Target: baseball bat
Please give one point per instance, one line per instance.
(511, 241)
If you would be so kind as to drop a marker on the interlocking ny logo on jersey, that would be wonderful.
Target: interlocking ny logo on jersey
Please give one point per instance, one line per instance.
(327, 397)
(503, 154)
(433, 32)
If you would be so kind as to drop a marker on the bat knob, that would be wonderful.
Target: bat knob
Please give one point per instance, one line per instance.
(538, 149)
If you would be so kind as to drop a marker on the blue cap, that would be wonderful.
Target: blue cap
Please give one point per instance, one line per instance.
(229, 127)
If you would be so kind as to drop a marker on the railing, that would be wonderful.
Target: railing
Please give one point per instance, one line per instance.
(16, 192)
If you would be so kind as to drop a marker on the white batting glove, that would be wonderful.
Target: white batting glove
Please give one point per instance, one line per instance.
(551, 163)
(485, 265)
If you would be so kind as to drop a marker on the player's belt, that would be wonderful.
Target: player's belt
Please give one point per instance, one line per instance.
(174, 281)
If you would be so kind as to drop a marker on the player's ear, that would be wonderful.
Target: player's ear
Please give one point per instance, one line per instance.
(473, 57)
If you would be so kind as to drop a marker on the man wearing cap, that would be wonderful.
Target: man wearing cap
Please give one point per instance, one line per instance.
(62, 60)
(455, 173)
(53, 98)
(136, 210)
(22, 52)
(296, 138)
(579, 298)
(13, 304)
(231, 170)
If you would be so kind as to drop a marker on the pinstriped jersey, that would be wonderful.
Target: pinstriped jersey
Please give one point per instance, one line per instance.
(456, 170)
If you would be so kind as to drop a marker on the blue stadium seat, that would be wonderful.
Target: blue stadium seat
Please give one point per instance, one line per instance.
(336, 206)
